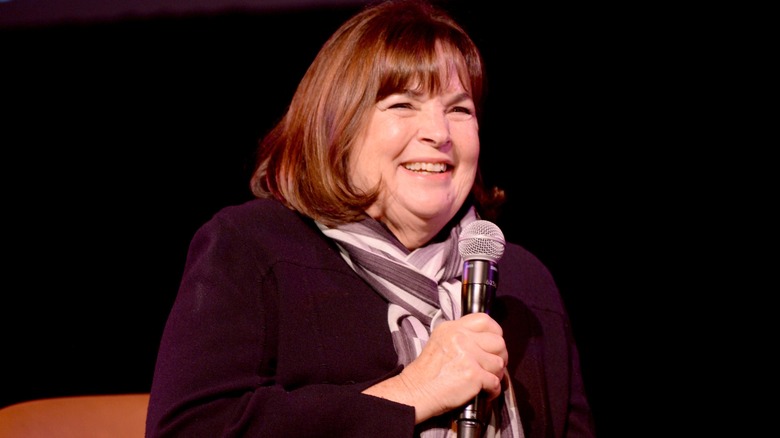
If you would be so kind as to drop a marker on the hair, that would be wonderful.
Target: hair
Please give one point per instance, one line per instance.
(383, 49)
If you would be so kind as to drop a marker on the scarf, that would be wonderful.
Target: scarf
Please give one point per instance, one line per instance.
(422, 288)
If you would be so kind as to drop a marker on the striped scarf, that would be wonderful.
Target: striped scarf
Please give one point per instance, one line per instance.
(423, 288)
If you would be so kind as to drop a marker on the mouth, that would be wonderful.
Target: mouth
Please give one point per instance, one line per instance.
(427, 167)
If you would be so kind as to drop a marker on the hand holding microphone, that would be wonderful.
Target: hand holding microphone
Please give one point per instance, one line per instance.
(462, 353)
(481, 244)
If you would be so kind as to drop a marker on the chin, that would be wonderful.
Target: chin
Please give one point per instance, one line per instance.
(442, 215)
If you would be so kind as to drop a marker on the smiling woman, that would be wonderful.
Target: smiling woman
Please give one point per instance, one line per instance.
(419, 153)
(124, 133)
(331, 305)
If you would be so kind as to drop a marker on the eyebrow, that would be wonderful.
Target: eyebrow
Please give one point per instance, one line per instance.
(416, 94)
(460, 96)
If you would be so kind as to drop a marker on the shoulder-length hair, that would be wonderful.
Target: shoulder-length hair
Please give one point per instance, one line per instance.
(384, 49)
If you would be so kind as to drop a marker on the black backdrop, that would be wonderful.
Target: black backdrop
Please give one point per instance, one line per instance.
(121, 137)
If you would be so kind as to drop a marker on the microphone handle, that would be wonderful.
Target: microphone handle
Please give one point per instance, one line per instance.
(472, 420)
(480, 279)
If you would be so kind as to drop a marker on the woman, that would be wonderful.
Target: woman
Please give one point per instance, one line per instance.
(330, 305)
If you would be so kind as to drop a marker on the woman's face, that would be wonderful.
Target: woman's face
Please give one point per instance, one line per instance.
(423, 150)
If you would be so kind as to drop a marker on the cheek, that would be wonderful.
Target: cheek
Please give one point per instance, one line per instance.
(383, 144)
(469, 149)
(359, 170)
(367, 162)
(472, 152)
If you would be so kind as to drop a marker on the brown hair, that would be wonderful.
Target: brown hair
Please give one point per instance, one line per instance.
(303, 160)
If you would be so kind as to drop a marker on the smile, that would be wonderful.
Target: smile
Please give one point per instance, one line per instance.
(426, 167)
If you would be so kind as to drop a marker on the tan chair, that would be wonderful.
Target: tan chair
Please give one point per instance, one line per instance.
(86, 416)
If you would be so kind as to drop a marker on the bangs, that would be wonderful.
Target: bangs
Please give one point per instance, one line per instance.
(428, 67)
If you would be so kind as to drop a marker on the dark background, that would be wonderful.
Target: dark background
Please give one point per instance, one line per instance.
(122, 134)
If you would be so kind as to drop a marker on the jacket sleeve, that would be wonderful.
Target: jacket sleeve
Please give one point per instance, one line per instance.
(579, 422)
(544, 358)
(216, 371)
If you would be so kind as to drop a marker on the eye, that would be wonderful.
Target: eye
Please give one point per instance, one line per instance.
(460, 113)
(405, 105)
(462, 109)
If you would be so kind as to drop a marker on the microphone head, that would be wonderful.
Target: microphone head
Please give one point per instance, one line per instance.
(481, 240)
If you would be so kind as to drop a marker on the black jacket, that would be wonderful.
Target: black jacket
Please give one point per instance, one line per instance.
(272, 334)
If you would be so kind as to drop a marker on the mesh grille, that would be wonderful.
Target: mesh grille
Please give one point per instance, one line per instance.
(481, 240)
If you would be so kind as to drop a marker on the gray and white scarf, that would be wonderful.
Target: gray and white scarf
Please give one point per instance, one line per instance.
(423, 288)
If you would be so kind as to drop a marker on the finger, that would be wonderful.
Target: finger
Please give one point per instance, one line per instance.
(492, 386)
(481, 322)
(492, 363)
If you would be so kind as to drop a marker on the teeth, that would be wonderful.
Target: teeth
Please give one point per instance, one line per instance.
(426, 167)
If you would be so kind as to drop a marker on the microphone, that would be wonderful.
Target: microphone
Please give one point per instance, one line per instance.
(481, 244)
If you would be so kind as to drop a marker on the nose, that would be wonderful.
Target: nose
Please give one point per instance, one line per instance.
(434, 128)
